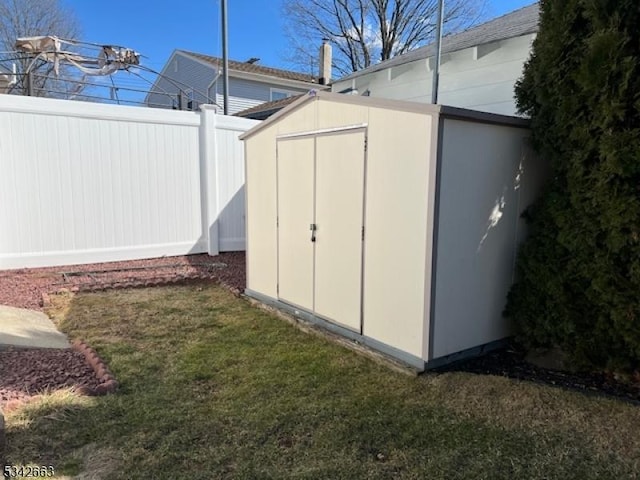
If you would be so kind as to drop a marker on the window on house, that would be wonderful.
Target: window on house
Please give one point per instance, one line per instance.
(277, 94)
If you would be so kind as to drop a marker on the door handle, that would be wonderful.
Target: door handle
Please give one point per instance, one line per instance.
(313, 227)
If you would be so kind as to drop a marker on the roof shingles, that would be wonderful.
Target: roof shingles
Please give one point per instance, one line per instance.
(254, 68)
(265, 110)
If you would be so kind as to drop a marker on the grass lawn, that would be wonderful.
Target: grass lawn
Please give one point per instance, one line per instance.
(214, 388)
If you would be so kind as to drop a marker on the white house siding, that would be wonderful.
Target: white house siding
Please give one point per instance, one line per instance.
(479, 78)
(190, 74)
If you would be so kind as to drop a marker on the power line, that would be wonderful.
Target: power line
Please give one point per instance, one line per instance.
(85, 57)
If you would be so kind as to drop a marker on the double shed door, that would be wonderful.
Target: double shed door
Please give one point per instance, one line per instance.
(321, 223)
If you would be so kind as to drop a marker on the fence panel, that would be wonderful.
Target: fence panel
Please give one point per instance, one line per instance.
(84, 183)
(230, 154)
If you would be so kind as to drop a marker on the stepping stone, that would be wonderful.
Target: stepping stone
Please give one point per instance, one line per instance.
(27, 328)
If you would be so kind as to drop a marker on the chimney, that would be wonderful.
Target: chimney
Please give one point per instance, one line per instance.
(325, 62)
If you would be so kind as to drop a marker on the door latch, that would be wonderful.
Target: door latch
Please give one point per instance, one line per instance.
(313, 227)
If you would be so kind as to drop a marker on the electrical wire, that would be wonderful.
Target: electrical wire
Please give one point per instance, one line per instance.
(124, 84)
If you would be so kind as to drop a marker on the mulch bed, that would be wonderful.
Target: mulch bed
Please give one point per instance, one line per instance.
(510, 362)
(24, 288)
(25, 373)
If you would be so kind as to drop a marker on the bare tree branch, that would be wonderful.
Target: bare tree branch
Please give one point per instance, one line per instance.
(364, 32)
(26, 18)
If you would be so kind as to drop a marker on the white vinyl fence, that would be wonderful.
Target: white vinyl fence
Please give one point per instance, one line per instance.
(84, 183)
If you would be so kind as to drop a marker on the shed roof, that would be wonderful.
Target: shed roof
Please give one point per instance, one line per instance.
(253, 68)
(401, 105)
(515, 24)
(265, 110)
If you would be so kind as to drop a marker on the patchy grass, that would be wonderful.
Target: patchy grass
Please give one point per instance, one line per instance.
(214, 388)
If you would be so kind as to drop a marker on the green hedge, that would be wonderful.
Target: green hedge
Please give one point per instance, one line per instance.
(579, 272)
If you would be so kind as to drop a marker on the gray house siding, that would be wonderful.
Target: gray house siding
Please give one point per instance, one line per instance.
(191, 74)
(188, 74)
(245, 93)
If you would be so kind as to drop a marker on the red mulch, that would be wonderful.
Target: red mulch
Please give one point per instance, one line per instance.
(25, 373)
(28, 372)
(24, 288)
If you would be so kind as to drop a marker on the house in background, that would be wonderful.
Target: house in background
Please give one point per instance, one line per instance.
(479, 67)
(7, 79)
(199, 78)
(265, 110)
(4, 82)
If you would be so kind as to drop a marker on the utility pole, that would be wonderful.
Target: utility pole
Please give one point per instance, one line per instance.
(436, 69)
(225, 59)
(29, 84)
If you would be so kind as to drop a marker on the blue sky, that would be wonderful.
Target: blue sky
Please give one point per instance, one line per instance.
(156, 28)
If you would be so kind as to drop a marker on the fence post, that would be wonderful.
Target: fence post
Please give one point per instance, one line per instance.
(209, 178)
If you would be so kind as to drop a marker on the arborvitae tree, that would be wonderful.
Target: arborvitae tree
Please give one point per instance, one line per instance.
(579, 272)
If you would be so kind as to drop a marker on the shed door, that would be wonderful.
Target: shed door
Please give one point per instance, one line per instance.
(320, 224)
(339, 220)
(295, 215)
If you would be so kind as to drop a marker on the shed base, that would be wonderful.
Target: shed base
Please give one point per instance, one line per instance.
(466, 354)
(387, 350)
(398, 355)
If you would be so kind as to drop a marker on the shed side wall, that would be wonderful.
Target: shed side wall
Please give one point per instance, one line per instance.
(482, 177)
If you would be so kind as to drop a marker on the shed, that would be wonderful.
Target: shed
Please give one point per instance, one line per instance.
(395, 224)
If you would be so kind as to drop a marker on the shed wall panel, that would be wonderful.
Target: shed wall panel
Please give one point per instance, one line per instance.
(262, 266)
(261, 199)
(480, 187)
(396, 228)
(332, 115)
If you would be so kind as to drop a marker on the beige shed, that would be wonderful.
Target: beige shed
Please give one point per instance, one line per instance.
(392, 223)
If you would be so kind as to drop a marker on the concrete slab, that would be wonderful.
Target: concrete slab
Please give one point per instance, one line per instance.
(27, 328)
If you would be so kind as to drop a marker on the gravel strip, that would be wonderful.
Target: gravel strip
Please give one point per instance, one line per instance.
(24, 288)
